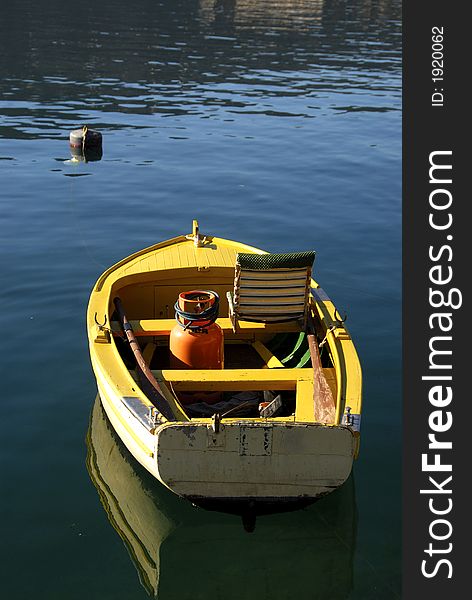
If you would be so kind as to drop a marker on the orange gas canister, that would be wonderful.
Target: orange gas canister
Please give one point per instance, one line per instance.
(196, 341)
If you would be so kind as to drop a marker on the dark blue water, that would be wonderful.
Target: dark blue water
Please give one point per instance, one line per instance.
(275, 123)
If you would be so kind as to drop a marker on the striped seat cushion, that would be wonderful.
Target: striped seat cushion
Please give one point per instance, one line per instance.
(272, 287)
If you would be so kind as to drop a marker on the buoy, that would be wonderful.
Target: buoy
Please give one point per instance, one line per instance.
(85, 138)
(85, 144)
(196, 341)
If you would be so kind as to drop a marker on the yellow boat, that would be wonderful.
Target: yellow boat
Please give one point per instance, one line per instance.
(227, 371)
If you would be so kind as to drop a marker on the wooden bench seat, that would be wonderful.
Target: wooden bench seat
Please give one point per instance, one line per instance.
(225, 380)
(162, 327)
(238, 380)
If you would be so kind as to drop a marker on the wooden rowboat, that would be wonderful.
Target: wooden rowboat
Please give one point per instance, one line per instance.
(275, 420)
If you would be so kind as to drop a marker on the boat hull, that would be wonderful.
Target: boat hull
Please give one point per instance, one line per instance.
(253, 460)
(276, 462)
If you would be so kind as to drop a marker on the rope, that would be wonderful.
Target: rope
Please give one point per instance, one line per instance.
(103, 327)
(209, 315)
(323, 342)
(84, 135)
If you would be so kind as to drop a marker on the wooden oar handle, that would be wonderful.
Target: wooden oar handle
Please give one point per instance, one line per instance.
(325, 406)
(154, 392)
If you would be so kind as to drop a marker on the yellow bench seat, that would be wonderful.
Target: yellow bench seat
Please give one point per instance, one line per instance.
(163, 327)
(234, 379)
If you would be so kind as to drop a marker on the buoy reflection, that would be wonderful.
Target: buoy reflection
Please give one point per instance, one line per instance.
(79, 154)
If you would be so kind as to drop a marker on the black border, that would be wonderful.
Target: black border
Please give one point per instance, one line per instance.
(428, 128)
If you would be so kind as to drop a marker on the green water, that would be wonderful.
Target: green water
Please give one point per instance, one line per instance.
(275, 123)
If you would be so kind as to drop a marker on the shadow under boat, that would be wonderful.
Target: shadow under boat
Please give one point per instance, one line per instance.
(307, 551)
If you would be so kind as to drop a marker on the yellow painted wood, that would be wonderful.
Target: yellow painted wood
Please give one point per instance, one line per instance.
(110, 371)
(330, 375)
(158, 327)
(302, 457)
(148, 352)
(130, 429)
(272, 362)
(234, 379)
(149, 282)
(180, 253)
(344, 355)
(305, 405)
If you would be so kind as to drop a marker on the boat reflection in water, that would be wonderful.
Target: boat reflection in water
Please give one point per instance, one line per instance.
(132, 508)
(299, 553)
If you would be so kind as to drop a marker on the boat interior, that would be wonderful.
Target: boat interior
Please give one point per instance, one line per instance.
(270, 368)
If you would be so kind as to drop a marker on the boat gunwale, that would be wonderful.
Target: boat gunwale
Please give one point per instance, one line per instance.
(98, 287)
(101, 280)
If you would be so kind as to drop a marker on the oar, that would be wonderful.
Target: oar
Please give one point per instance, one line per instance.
(325, 409)
(153, 390)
